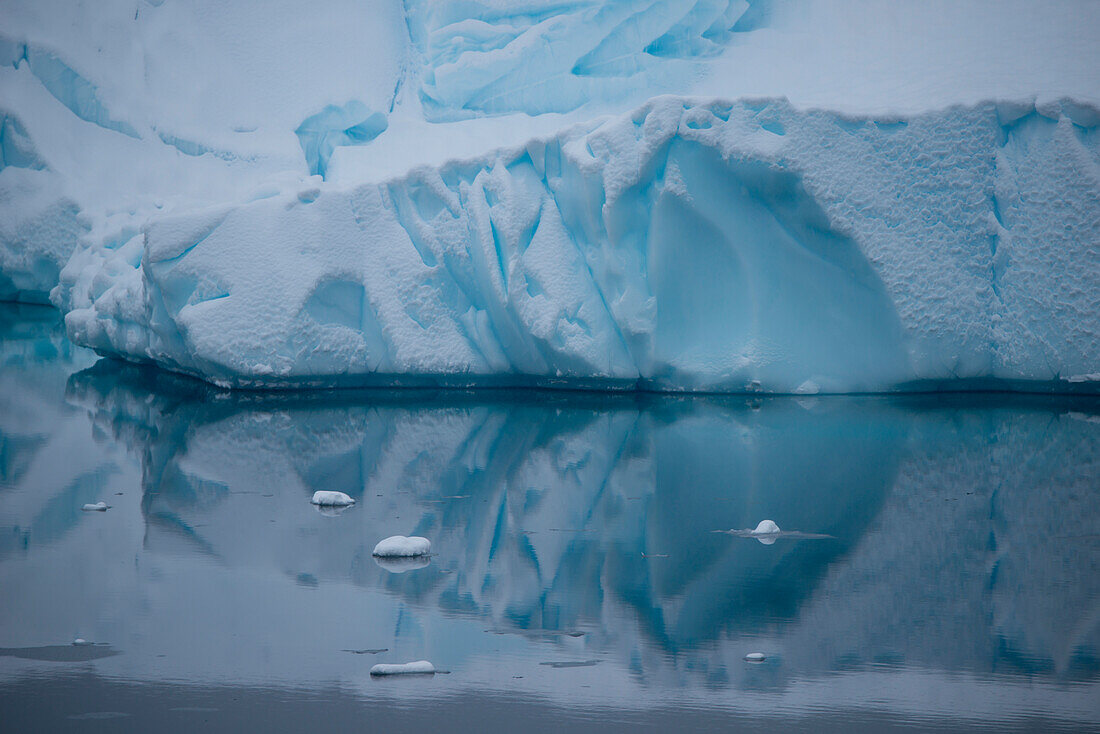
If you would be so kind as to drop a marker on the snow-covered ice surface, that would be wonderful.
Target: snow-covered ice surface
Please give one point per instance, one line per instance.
(399, 546)
(842, 196)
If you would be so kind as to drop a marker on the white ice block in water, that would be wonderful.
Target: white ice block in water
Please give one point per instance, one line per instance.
(331, 499)
(399, 546)
(81, 642)
(420, 667)
(755, 657)
(809, 387)
(766, 532)
(96, 507)
(766, 527)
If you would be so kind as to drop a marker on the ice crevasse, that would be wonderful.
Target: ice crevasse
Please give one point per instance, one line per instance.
(690, 244)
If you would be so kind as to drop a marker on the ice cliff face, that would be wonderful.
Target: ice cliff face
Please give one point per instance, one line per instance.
(494, 192)
(685, 245)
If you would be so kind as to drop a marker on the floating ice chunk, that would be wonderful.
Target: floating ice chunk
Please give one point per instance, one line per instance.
(96, 507)
(420, 667)
(401, 564)
(399, 545)
(809, 387)
(331, 499)
(766, 527)
(81, 642)
(766, 532)
(755, 657)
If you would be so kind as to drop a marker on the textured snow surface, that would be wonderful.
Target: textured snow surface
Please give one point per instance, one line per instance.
(493, 191)
(700, 245)
(398, 546)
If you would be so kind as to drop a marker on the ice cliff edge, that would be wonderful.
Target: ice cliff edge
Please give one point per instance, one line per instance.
(691, 244)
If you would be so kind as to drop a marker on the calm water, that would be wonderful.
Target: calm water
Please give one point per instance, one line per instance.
(577, 579)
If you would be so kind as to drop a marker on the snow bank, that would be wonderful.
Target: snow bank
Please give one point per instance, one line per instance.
(420, 667)
(400, 546)
(687, 245)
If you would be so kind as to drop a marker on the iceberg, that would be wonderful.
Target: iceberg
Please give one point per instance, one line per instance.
(599, 194)
(687, 245)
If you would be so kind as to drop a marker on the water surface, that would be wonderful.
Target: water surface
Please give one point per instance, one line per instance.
(943, 570)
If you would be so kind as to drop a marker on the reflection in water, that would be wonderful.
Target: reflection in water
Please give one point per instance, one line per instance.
(544, 511)
(942, 558)
(60, 653)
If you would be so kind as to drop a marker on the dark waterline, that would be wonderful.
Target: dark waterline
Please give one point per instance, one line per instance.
(577, 580)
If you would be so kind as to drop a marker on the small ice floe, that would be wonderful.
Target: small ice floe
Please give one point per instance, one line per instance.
(398, 546)
(420, 667)
(767, 532)
(401, 564)
(765, 527)
(325, 498)
(809, 387)
(100, 506)
(755, 657)
(81, 642)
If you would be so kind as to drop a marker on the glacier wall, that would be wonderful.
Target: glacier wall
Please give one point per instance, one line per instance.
(687, 245)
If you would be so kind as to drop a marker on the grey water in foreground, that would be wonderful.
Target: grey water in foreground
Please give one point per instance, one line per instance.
(942, 569)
